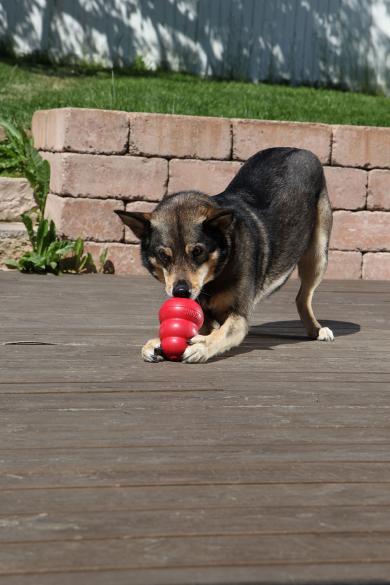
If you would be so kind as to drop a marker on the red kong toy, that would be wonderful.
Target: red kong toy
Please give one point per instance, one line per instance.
(180, 320)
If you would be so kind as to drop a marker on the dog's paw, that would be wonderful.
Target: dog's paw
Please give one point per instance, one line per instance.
(325, 334)
(149, 353)
(198, 339)
(196, 354)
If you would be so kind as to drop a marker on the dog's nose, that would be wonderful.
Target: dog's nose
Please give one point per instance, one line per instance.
(181, 289)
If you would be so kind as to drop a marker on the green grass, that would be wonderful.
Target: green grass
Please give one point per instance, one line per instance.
(25, 88)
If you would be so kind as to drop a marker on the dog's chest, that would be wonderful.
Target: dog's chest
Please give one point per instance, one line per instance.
(220, 303)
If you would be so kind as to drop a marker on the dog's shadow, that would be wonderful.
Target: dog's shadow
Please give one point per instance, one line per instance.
(270, 335)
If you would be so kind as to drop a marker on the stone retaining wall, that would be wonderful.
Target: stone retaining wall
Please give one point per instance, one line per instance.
(104, 160)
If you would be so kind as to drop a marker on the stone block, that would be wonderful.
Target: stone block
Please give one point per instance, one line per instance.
(207, 176)
(343, 265)
(376, 266)
(122, 177)
(81, 130)
(361, 146)
(378, 196)
(249, 136)
(121, 258)
(16, 197)
(90, 219)
(180, 136)
(361, 230)
(346, 187)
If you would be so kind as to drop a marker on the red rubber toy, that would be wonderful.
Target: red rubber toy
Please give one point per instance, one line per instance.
(180, 320)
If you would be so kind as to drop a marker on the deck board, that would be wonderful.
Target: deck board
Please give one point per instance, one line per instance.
(268, 465)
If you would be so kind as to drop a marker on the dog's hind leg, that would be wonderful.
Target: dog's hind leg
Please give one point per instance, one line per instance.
(312, 267)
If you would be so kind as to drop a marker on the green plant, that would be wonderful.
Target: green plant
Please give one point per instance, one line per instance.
(103, 259)
(139, 65)
(47, 250)
(81, 260)
(49, 253)
(18, 156)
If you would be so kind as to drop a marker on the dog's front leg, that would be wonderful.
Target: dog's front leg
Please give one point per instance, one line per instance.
(230, 334)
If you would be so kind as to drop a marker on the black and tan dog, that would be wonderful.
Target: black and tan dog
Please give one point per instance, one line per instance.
(232, 250)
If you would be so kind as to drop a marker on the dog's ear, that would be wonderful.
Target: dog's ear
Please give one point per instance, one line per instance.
(137, 221)
(221, 219)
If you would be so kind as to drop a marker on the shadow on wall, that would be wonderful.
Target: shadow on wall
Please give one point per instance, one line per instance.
(341, 43)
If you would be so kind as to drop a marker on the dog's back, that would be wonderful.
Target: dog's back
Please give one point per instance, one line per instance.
(271, 176)
(280, 187)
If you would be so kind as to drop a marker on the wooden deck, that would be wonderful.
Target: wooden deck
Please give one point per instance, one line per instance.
(268, 465)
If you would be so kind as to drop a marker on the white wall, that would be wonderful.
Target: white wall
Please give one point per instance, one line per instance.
(343, 42)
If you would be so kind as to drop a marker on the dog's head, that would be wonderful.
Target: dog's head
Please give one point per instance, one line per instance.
(185, 241)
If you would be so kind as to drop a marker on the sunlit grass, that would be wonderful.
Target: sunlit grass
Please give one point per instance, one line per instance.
(25, 88)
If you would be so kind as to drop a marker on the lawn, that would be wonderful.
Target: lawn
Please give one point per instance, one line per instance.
(25, 88)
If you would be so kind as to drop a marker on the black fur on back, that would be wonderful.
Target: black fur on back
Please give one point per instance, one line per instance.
(276, 190)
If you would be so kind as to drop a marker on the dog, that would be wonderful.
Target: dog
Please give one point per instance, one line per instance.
(231, 250)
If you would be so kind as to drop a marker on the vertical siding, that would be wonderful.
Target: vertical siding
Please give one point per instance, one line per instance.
(344, 42)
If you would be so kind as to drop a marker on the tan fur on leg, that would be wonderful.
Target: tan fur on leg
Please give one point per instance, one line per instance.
(229, 335)
(311, 268)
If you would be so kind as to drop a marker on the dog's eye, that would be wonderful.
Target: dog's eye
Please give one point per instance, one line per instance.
(197, 251)
(164, 257)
